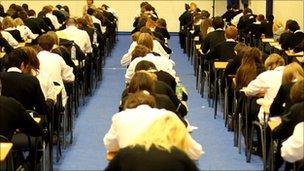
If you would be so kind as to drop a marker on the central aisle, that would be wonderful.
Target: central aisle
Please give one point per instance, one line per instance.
(88, 152)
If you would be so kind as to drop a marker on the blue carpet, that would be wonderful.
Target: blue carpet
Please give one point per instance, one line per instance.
(88, 152)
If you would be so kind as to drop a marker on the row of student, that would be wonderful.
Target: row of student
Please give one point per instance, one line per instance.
(28, 26)
(144, 129)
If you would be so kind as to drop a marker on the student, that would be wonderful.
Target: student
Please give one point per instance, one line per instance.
(136, 118)
(162, 146)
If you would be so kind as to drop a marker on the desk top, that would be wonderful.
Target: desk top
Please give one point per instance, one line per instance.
(2, 54)
(220, 65)
(273, 124)
(274, 44)
(196, 38)
(198, 46)
(293, 54)
(268, 40)
(37, 119)
(4, 150)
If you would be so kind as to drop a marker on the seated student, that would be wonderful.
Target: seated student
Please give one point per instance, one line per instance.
(4, 45)
(8, 37)
(233, 64)
(33, 68)
(162, 146)
(25, 32)
(268, 82)
(138, 115)
(292, 149)
(294, 115)
(163, 88)
(292, 37)
(161, 27)
(80, 37)
(9, 26)
(53, 64)
(281, 103)
(48, 10)
(214, 38)
(143, 80)
(127, 58)
(161, 75)
(37, 25)
(160, 62)
(290, 119)
(14, 116)
(28, 91)
(225, 50)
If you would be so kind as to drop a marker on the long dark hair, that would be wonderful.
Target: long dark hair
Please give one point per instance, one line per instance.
(248, 69)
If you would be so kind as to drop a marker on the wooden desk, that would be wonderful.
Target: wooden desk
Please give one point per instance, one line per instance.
(198, 47)
(268, 40)
(274, 44)
(196, 38)
(21, 44)
(279, 47)
(4, 150)
(273, 124)
(2, 54)
(220, 65)
(293, 54)
(37, 119)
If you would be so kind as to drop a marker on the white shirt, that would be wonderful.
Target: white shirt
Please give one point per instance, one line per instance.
(292, 149)
(80, 37)
(236, 19)
(25, 32)
(268, 81)
(130, 123)
(54, 20)
(10, 39)
(56, 68)
(47, 85)
(126, 59)
(161, 63)
(96, 20)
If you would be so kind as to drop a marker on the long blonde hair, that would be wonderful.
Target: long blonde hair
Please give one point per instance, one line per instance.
(292, 72)
(274, 60)
(166, 132)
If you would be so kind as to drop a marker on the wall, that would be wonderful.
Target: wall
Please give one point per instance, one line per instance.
(170, 9)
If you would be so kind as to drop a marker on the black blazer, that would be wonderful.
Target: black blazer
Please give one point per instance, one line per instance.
(297, 38)
(277, 108)
(166, 78)
(13, 116)
(294, 116)
(36, 25)
(138, 158)
(223, 51)
(7, 47)
(16, 34)
(24, 88)
(163, 31)
(213, 39)
(163, 88)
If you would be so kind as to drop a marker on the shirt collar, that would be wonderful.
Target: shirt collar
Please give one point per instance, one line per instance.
(230, 40)
(219, 29)
(14, 69)
(279, 68)
(298, 31)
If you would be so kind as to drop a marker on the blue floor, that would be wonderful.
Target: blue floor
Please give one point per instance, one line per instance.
(88, 152)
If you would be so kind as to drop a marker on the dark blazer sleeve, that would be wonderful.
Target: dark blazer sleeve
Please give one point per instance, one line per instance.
(7, 47)
(276, 108)
(206, 44)
(289, 121)
(25, 122)
(39, 99)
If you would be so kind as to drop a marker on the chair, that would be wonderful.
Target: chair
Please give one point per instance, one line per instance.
(8, 163)
(218, 68)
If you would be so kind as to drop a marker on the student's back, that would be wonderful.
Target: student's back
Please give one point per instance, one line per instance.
(138, 159)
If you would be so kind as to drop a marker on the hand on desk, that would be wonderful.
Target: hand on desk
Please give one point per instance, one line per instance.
(111, 155)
